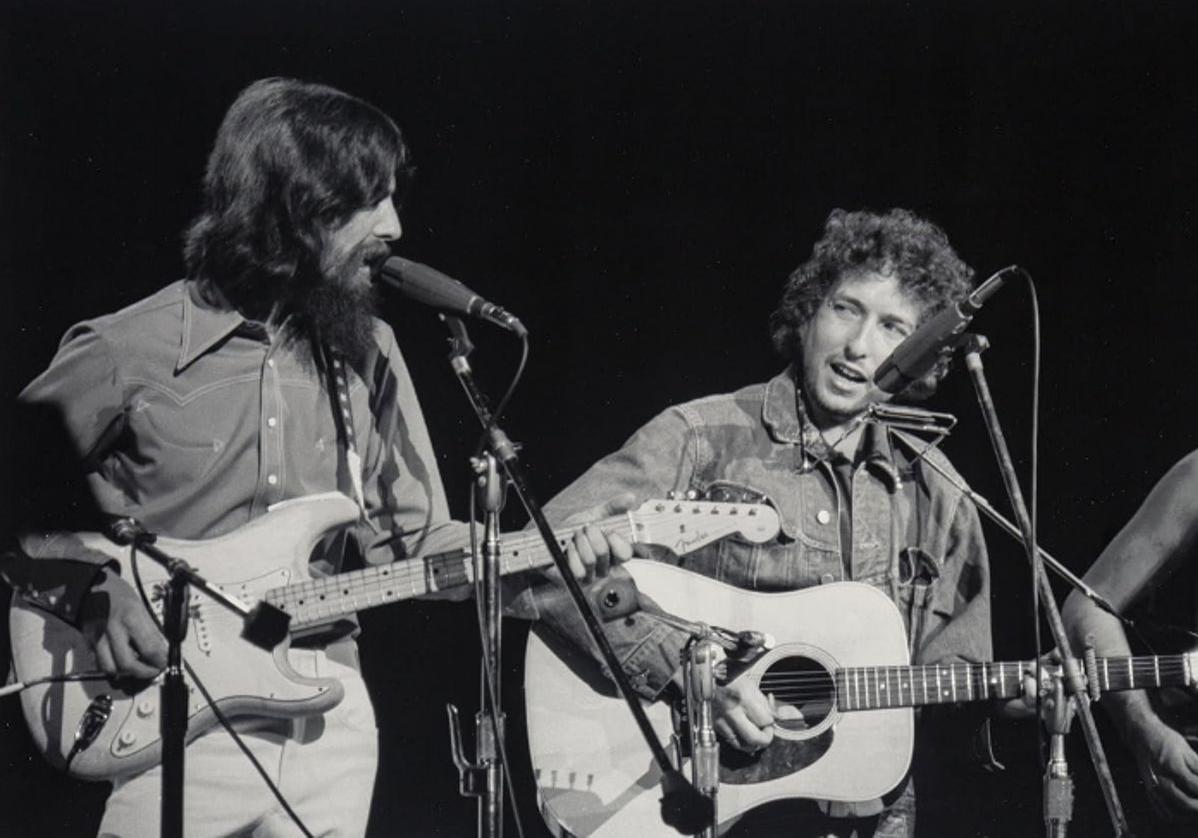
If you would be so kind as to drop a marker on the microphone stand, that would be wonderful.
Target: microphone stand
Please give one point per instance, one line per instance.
(1073, 686)
(265, 626)
(483, 779)
(682, 806)
(699, 674)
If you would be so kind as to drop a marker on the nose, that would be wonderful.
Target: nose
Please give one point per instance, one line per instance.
(857, 344)
(386, 221)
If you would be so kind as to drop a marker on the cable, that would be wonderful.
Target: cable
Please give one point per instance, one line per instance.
(1033, 512)
(511, 388)
(480, 617)
(21, 686)
(488, 675)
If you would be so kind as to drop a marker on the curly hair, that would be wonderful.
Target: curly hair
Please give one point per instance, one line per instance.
(291, 160)
(896, 243)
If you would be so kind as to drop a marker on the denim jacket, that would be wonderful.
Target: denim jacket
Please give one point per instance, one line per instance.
(914, 535)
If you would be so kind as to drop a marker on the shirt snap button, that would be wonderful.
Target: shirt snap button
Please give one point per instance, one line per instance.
(823, 516)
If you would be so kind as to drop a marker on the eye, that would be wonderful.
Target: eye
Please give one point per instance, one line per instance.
(896, 328)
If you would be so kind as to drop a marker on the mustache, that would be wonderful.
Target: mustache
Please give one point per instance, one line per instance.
(373, 254)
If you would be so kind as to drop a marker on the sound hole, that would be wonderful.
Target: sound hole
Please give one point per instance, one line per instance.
(802, 691)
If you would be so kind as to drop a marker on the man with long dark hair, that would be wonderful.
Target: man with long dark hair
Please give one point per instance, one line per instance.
(262, 377)
(855, 499)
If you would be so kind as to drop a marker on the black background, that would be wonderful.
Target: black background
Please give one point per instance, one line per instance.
(636, 179)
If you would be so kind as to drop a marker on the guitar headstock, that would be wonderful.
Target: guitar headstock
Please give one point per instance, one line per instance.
(684, 525)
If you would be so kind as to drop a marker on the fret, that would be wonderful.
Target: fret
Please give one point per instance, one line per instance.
(879, 687)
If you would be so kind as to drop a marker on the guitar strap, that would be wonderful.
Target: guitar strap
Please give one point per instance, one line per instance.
(348, 458)
(916, 566)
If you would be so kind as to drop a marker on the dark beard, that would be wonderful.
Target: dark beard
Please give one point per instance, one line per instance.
(335, 310)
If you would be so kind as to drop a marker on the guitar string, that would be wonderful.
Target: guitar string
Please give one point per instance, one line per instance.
(384, 582)
(1167, 665)
(968, 682)
(412, 575)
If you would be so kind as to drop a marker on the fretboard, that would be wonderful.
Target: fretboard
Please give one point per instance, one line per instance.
(315, 601)
(876, 687)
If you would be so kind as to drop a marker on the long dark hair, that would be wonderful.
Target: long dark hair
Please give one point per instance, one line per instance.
(291, 160)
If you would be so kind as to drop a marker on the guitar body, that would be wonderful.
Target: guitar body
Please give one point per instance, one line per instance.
(595, 775)
(269, 552)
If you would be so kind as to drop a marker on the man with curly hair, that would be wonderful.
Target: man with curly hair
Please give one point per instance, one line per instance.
(855, 500)
(262, 376)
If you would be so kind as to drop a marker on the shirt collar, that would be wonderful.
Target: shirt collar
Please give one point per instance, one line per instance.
(780, 408)
(785, 416)
(204, 325)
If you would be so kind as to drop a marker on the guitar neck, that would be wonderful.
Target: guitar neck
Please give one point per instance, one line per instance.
(326, 599)
(878, 687)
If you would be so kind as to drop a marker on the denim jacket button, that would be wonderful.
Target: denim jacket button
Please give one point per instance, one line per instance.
(823, 516)
(826, 578)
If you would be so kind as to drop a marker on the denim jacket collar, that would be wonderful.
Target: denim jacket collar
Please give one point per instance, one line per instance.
(785, 417)
(204, 325)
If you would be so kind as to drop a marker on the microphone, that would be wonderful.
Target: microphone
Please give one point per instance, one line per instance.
(914, 358)
(433, 288)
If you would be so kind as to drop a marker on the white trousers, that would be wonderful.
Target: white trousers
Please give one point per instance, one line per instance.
(324, 766)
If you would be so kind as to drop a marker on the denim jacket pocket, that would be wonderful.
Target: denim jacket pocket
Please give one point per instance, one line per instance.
(917, 592)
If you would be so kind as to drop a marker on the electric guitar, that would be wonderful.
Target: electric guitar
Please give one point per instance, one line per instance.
(101, 730)
(840, 658)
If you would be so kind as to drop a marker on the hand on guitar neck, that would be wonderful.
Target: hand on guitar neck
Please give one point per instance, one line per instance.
(1024, 707)
(592, 552)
